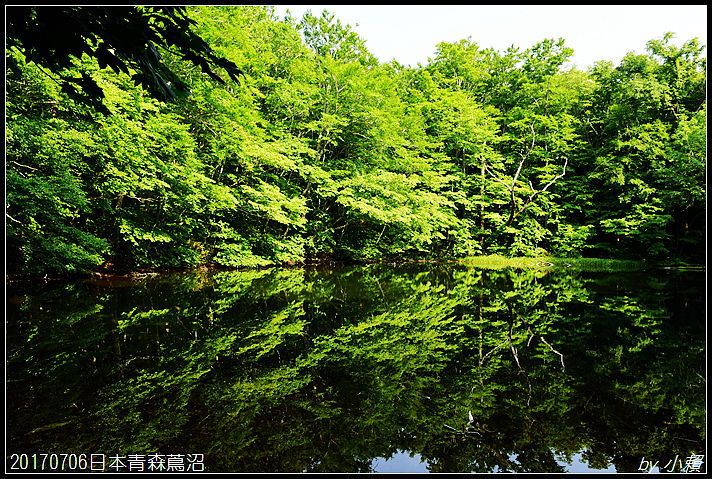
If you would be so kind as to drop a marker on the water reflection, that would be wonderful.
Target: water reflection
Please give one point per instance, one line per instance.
(399, 462)
(404, 461)
(324, 370)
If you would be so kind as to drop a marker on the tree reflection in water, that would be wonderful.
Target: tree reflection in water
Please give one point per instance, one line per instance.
(324, 370)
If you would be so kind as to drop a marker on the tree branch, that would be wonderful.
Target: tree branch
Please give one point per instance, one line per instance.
(495, 177)
(13, 219)
(142, 200)
(524, 157)
(534, 192)
(513, 311)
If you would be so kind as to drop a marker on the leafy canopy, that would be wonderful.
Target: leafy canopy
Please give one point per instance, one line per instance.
(124, 38)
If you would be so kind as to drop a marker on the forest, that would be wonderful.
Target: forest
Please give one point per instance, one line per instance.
(315, 150)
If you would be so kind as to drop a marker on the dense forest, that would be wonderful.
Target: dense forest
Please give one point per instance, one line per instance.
(320, 151)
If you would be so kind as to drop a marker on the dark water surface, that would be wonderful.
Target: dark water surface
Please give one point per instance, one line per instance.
(386, 368)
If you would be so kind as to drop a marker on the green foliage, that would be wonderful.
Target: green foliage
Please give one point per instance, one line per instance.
(323, 152)
(47, 199)
(122, 38)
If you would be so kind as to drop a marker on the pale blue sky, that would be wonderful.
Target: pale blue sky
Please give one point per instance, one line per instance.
(410, 33)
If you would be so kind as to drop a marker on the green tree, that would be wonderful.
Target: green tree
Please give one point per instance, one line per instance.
(510, 111)
(323, 152)
(124, 38)
(648, 103)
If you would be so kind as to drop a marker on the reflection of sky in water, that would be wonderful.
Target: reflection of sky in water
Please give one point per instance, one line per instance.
(400, 462)
(403, 462)
(578, 466)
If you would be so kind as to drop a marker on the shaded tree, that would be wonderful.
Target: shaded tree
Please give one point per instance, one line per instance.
(123, 38)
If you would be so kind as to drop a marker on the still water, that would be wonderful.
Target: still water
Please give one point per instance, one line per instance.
(416, 367)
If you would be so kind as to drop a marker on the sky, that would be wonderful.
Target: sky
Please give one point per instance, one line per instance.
(410, 33)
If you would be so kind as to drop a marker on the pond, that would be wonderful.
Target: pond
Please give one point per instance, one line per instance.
(422, 367)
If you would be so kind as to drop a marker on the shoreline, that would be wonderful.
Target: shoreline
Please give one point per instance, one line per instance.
(484, 261)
